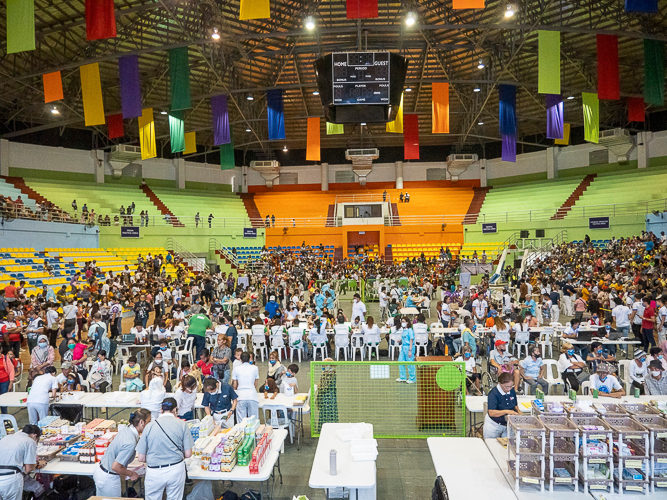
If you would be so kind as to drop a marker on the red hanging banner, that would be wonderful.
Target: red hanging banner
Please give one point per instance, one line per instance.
(608, 80)
(411, 136)
(636, 109)
(362, 9)
(115, 125)
(100, 19)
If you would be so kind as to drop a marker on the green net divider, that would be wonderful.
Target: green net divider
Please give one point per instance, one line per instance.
(367, 391)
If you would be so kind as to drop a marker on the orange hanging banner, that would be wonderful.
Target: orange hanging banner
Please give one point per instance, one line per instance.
(467, 4)
(53, 86)
(313, 140)
(440, 118)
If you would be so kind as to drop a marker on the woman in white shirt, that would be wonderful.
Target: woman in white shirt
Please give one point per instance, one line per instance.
(371, 332)
(446, 312)
(152, 398)
(637, 370)
(186, 396)
(100, 373)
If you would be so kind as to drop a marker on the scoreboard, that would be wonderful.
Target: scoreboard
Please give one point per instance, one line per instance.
(360, 78)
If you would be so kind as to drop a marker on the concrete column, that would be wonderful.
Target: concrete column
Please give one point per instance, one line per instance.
(552, 163)
(643, 138)
(98, 165)
(179, 169)
(4, 157)
(399, 175)
(482, 173)
(244, 179)
(324, 169)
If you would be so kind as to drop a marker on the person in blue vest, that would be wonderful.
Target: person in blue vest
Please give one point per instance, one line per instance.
(407, 350)
(319, 302)
(272, 306)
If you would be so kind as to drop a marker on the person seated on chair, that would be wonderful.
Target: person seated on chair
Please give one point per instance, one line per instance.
(205, 365)
(656, 381)
(167, 358)
(637, 370)
(371, 332)
(572, 367)
(100, 375)
(605, 383)
(289, 385)
(604, 332)
(503, 362)
(220, 400)
(656, 353)
(130, 375)
(598, 354)
(276, 369)
(139, 332)
(186, 397)
(42, 355)
(270, 387)
(63, 377)
(502, 401)
(533, 370)
(472, 375)
(467, 337)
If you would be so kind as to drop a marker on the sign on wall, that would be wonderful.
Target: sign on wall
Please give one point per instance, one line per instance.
(598, 223)
(489, 227)
(250, 232)
(129, 232)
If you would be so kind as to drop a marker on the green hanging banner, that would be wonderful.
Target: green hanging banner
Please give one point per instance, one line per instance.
(591, 117)
(20, 25)
(227, 154)
(177, 131)
(548, 62)
(335, 128)
(654, 72)
(179, 77)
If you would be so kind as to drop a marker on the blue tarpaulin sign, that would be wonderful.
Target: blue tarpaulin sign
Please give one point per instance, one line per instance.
(598, 223)
(489, 227)
(249, 232)
(129, 232)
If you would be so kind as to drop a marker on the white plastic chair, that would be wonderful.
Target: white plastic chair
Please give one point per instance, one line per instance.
(341, 341)
(295, 345)
(553, 376)
(357, 344)
(421, 342)
(546, 342)
(319, 342)
(122, 356)
(242, 341)
(372, 342)
(585, 387)
(277, 344)
(521, 339)
(623, 374)
(394, 345)
(426, 307)
(186, 352)
(9, 418)
(259, 344)
(273, 417)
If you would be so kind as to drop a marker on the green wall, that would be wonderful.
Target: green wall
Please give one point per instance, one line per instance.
(55, 175)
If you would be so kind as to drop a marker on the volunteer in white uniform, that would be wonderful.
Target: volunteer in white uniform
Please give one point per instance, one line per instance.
(164, 445)
(38, 399)
(118, 456)
(19, 454)
(358, 308)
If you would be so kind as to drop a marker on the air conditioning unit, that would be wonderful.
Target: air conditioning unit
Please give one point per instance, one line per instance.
(125, 153)
(268, 169)
(459, 163)
(618, 141)
(362, 162)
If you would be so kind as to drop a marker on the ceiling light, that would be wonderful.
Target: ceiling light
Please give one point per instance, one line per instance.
(163, 112)
(363, 124)
(476, 89)
(248, 130)
(481, 64)
(570, 97)
(316, 92)
(249, 97)
(480, 123)
(216, 34)
(408, 89)
(310, 23)
(410, 19)
(509, 10)
(285, 149)
(55, 111)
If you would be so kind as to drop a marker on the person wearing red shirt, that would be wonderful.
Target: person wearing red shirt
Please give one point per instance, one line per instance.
(11, 332)
(10, 293)
(8, 365)
(205, 364)
(648, 322)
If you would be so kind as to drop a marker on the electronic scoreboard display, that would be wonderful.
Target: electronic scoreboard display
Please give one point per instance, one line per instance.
(360, 78)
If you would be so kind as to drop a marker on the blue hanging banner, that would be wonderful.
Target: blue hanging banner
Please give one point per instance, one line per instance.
(507, 117)
(643, 6)
(274, 102)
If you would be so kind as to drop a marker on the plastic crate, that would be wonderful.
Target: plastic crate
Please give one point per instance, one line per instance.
(657, 428)
(527, 446)
(572, 411)
(630, 432)
(526, 426)
(559, 426)
(555, 479)
(527, 472)
(548, 409)
(609, 409)
(640, 485)
(640, 409)
(597, 484)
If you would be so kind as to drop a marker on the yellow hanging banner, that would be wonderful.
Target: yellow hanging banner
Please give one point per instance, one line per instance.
(190, 143)
(147, 134)
(565, 141)
(396, 127)
(254, 9)
(91, 90)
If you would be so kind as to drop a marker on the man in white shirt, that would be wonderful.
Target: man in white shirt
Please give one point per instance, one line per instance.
(244, 381)
(621, 314)
(383, 303)
(52, 324)
(662, 319)
(177, 294)
(38, 399)
(606, 384)
(479, 309)
(636, 316)
(358, 309)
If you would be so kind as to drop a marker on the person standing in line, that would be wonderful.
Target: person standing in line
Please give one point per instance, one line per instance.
(199, 323)
(648, 323)
(120, 453)
(19, 456)
(164, 445)
(210, 219)
(197, 219)
(244, 382)
(384, 303)
(358, 309)
(38, 399)
(407, 353)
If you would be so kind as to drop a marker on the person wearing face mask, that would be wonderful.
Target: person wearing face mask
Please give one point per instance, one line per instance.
(605, 383)
(276, 370)
(244, 382)
(41, 357)
(358, 308)
(220, 357)
(152, 397)
(571, 367)
(220, 401)
(502, 401)
(637, 370)
(533, 370)
(19, 455)
(656, 382)
(130, 375)
(472, 376)
(100, 373)
(658, 354)
(186, 397)
(113, 465)
(407, 352)
(156, 364)
(598, 354)
(289, 385)
(503, 362)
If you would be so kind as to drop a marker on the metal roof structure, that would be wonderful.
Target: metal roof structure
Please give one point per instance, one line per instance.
(444, 45)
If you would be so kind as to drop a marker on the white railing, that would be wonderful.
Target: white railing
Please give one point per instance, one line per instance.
(193, 261)
(362, 198)
(214, 245)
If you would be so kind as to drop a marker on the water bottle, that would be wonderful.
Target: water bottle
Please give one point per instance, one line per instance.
(332, 463)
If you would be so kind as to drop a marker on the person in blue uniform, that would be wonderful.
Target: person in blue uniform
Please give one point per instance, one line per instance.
(407, 351)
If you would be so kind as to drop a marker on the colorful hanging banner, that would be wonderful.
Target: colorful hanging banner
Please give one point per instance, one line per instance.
(147, 134)
(565, 141)
(654, 72)
(508, 152)
(220, 115)
(177, 131)
(190, 143)
(362, 9)
(276, 117)
(100, 19)
(396, 127)
(591, 106)
(507, 119)
(254, 9)
(548, 62)
(440, 108)
(20, 25)
(554, 116)
(608, 79)
(91, 91)
(335, 128)
(642, 6)
(179, 77)
(467, 4)
(227, 161)
(411, 136)
(115, 126)
(313, 140)
(53, 86)
(636, 109)
(130, 86)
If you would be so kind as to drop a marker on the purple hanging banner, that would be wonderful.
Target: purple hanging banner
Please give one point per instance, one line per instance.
(554, 116)
(220, 120)
(130, 86)
(509, 147)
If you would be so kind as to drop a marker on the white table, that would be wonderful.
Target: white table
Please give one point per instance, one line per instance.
(468, 469)
(57, 466)
(409, 311)
(13, 399)
(287, 402)
(358, 477)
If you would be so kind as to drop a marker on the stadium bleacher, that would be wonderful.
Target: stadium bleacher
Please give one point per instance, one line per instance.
(185, 204)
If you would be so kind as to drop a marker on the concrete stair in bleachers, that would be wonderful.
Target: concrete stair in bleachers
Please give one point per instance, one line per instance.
(395, 218)
(476, 204)
(572, 199)
(250, 207)
(330, 216)
(161, 206)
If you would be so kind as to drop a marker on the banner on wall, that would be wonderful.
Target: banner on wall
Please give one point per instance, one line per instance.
(129, 232)
(250, 232)
(489, 227)
(598, 223)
